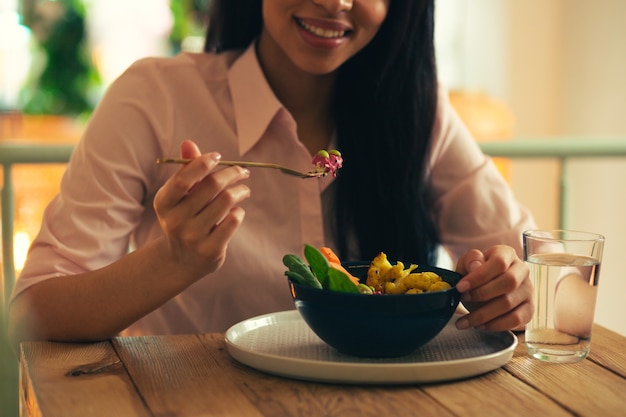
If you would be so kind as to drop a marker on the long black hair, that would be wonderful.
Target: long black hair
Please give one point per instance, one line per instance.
(385, 103)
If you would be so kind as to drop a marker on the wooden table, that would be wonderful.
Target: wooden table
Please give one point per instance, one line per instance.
(193, 375)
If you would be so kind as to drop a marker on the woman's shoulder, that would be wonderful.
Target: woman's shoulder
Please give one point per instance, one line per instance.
(447, 123)
(207, 64)
(451, 140)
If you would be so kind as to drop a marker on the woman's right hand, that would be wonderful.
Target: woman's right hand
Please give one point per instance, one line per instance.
(198, 210)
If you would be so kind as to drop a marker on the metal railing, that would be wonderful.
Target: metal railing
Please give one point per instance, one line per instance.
(10, 155)
(560, 149)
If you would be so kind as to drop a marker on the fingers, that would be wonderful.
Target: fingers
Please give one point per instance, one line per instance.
(480, 269)
(197, 203)
(181, 183)
(508, 312)
(210, 203)
(220, 187)
(198, 209)
(496, 289)
(496, 277)
(189, 150)
(189, 175)
(469, 262)
(224, 230)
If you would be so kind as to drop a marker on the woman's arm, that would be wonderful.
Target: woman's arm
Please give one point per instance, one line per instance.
(98, 304)
(198, 210)
(481, 224)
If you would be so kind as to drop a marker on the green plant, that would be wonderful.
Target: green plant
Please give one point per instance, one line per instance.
(66, 73)
(189, 20)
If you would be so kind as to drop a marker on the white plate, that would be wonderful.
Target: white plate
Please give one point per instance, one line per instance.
(282, 344)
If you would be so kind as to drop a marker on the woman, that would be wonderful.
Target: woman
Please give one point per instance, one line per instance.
(280, 80)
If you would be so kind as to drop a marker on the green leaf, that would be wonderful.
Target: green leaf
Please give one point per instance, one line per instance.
(318, 263)
(300, 272)
(338, 281)
(318, 273)
(297, 277)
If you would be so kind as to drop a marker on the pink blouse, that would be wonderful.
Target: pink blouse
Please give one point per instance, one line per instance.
(224, 103)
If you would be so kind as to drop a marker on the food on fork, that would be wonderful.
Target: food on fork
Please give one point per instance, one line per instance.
(324, 161)
(328, 161)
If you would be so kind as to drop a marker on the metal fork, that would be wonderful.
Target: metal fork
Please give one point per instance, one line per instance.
(287, 171)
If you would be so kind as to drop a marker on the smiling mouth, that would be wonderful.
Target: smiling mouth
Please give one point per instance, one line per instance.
(322, 32)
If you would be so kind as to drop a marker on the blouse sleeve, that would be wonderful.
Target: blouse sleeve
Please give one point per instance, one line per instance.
(474, 206)
(108, 184)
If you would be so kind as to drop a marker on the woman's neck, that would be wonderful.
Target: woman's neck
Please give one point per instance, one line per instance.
(308, 97)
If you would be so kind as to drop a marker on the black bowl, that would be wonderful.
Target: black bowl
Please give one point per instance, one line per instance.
(377, 326)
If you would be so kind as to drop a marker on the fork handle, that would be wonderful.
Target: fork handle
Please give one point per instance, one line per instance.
(221, 162)
(284, 170)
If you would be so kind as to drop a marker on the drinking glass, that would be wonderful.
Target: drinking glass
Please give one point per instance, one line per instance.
(564, 269)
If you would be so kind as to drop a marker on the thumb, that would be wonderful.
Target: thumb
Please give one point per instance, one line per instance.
(189, 150)
(471, 261)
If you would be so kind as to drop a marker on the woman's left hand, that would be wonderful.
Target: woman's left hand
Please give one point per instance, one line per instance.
(496, 289)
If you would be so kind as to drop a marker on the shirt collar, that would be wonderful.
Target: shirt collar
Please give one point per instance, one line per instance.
(254, 102)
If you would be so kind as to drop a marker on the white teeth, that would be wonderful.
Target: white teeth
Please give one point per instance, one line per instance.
(322, 33)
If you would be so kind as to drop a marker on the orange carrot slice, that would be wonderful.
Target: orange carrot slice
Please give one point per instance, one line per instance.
(335, 262)
(330, 255)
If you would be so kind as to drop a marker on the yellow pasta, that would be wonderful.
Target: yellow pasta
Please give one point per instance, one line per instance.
(395, 279)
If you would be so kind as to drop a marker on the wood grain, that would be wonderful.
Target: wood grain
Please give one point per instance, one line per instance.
(608, 349)
(193, 375)
(177, 376)
(577, 387)
(279, 397)
(495, 394)
(76, 380)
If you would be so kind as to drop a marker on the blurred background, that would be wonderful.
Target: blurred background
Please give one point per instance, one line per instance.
(559, 66)
(516, 70)
(532, 70)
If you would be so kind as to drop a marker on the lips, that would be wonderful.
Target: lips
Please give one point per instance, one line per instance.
(321, 29)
